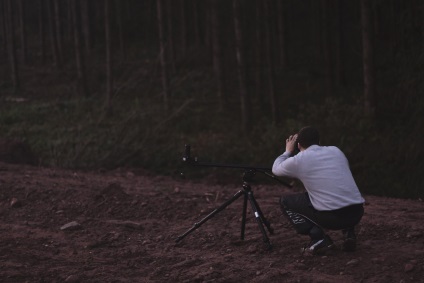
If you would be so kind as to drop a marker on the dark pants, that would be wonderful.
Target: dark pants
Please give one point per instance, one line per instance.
(309, 221)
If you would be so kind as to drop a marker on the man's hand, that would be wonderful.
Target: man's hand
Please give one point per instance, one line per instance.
(291, 143)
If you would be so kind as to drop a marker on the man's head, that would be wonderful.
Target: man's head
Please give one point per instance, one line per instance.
(308, 136)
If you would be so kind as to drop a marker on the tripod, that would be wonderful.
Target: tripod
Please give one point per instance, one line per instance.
(247, 193)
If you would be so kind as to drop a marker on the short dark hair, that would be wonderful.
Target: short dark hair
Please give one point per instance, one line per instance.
(308, 136)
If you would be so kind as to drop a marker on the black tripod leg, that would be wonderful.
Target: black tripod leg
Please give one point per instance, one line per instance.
(243, 219)
(264, 220)
(210, 215)
(259, 220)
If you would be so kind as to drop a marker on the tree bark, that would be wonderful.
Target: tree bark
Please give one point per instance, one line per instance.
(53, 40)
(282, 33)
(196, 23)
(217, 52)
(58, 30)
(270, 63)
(70, 26)
(327, 47)
(3, 28)
(119, 12)
(339, 76)
(108, 42)
(82, 88)
(22, 32)
(259, 69)
(421, 23)
(11, 46)
(86, 30)
(170, 36)
(241, 71)
(183, 28)
(368, 59)
(42, 31)
(165, 78)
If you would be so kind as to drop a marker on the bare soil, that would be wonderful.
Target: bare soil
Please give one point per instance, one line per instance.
(120, 226)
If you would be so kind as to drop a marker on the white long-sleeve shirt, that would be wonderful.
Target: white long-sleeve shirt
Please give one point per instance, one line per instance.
(325, 173)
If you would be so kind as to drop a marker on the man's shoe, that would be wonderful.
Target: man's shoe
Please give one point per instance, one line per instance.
(349, 243)
(317, 247)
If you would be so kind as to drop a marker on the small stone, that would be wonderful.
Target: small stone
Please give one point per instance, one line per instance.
(414, 234)
(409, 267)
(352, 262)
(72, 278)
(14, 202)
(251, 249)
(377, 260)
(70, 226)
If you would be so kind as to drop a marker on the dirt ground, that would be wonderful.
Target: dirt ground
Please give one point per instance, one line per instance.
(121, 226)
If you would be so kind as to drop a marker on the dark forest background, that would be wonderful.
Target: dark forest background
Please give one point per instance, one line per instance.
(127, 83)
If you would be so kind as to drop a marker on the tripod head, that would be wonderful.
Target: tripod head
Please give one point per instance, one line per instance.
(249, 173)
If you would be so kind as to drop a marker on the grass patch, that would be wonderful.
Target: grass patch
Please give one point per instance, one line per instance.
(78, 133)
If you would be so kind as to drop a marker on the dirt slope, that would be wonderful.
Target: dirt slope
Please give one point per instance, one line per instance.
(121, 226)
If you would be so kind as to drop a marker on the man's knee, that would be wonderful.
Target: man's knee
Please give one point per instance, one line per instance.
(294, 201)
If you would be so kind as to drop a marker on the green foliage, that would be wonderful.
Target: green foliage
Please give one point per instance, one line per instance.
(385, 155)
(79, 133)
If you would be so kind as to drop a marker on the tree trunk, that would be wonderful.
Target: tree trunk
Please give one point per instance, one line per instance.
(339, 76)
(82, 88)
(327, 46)
(119, 12)
(282, 33)
(108, 42)
(217, 52)
(11, 46)
(3, 28)
(259, 69)
(368, 59)
(22, 32)
(86, 31)
(41, 31)
(58, 30)
(270, 62)
(170, 34)
(207, 22)
(165, 79)
(241, 71)
(70, 26)
(183, 28)
(421, 16)
(317, 6)
(53, 40)
(196, 23)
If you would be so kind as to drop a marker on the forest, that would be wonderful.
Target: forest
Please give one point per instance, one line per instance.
(106, 84)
